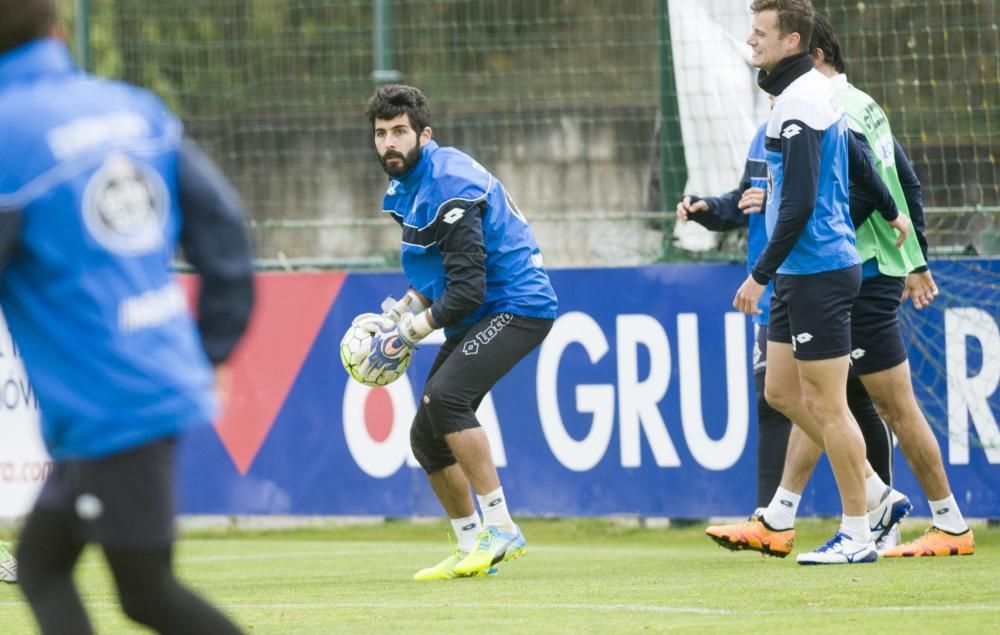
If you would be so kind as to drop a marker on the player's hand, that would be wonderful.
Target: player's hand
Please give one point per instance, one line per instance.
(920, 288)
(411, 302)
(748, 296)
(752, 201)
(392, 342)
(388, 349)
(902, 225)
(685, 208)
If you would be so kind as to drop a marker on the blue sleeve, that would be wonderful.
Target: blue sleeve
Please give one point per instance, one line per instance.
(800, 159)
(865, 177)
(459, 236)
(215, 241)
(723, 212)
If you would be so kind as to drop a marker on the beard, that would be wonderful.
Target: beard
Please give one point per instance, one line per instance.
(408, 161)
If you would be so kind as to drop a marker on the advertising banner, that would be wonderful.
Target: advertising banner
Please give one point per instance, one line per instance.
(640, 401)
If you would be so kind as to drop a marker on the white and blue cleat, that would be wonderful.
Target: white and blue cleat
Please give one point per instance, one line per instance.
(893, 508)
(841, 549)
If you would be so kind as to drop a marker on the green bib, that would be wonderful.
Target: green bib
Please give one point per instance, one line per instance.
(876, 238)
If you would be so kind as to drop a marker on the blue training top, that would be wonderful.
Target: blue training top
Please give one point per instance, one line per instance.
(808, 211)
(90, 223)
(466, 246)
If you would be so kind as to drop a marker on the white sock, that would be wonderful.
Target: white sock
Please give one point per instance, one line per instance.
(780, 512)
(495, 514)
(466, 529)
(875, 490)
(856, 528)
(947, 516)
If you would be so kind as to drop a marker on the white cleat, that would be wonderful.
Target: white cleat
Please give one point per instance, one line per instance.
(888, 541)
(893, 508)
(841, 549)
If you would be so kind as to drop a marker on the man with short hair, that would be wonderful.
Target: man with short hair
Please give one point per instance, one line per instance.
(741, 208)
(811, 257)
(889, 275)
(475, 270)
(98, 187)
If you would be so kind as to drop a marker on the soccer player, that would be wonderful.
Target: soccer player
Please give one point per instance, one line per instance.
(742, 207)
(889, 275)
(8, 564)
(97, 188)
(475, 270)
(811, 256)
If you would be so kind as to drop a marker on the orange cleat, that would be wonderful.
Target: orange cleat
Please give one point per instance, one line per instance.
(935, 542)
(753, 535)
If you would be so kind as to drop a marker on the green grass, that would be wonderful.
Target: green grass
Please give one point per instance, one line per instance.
(579, 576)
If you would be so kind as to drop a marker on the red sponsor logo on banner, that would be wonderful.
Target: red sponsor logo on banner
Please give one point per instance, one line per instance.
(289, 312)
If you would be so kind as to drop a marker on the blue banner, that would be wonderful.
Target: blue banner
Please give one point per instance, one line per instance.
(640, 401)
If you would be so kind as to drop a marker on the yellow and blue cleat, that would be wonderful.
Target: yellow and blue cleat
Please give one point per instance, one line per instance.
(494, 547)
(445, 570)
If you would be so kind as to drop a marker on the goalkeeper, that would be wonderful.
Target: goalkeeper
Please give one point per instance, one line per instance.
(475, 270)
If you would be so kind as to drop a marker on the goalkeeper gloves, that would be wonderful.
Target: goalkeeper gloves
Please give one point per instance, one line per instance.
(392, 342)
(394, 310)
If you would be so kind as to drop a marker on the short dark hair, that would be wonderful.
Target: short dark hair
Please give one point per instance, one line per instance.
(794, 16)
(394, 100)
(824, 39)
(22, 21)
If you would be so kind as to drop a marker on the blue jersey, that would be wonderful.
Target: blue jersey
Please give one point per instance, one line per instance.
(465, 245)
(808, 212)
(89, 173)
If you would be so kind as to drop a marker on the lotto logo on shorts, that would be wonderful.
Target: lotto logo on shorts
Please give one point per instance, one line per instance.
(857, 353)
(801, 338)
(471, 347)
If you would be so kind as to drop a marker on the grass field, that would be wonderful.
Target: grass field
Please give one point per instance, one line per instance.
(578, 576)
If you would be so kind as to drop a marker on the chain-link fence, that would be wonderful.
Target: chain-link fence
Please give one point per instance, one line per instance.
(559, 99)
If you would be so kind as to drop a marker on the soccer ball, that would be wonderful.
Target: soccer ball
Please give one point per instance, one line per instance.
(355, 345)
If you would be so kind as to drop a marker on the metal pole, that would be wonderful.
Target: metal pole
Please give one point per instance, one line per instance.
(83, 34)
(673, 168)
(384, 72)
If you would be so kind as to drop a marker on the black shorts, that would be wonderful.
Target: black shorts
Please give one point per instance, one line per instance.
(467, 367)
(122, 500)
(876, 338)
(813, 312)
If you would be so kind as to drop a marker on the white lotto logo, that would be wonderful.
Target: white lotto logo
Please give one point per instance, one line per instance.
(453, 215)
(791, 130)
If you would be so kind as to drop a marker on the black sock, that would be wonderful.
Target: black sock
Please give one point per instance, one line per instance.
(772, 442)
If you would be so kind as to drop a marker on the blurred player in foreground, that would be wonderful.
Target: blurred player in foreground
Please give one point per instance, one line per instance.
(97, 188)
(475, 270)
